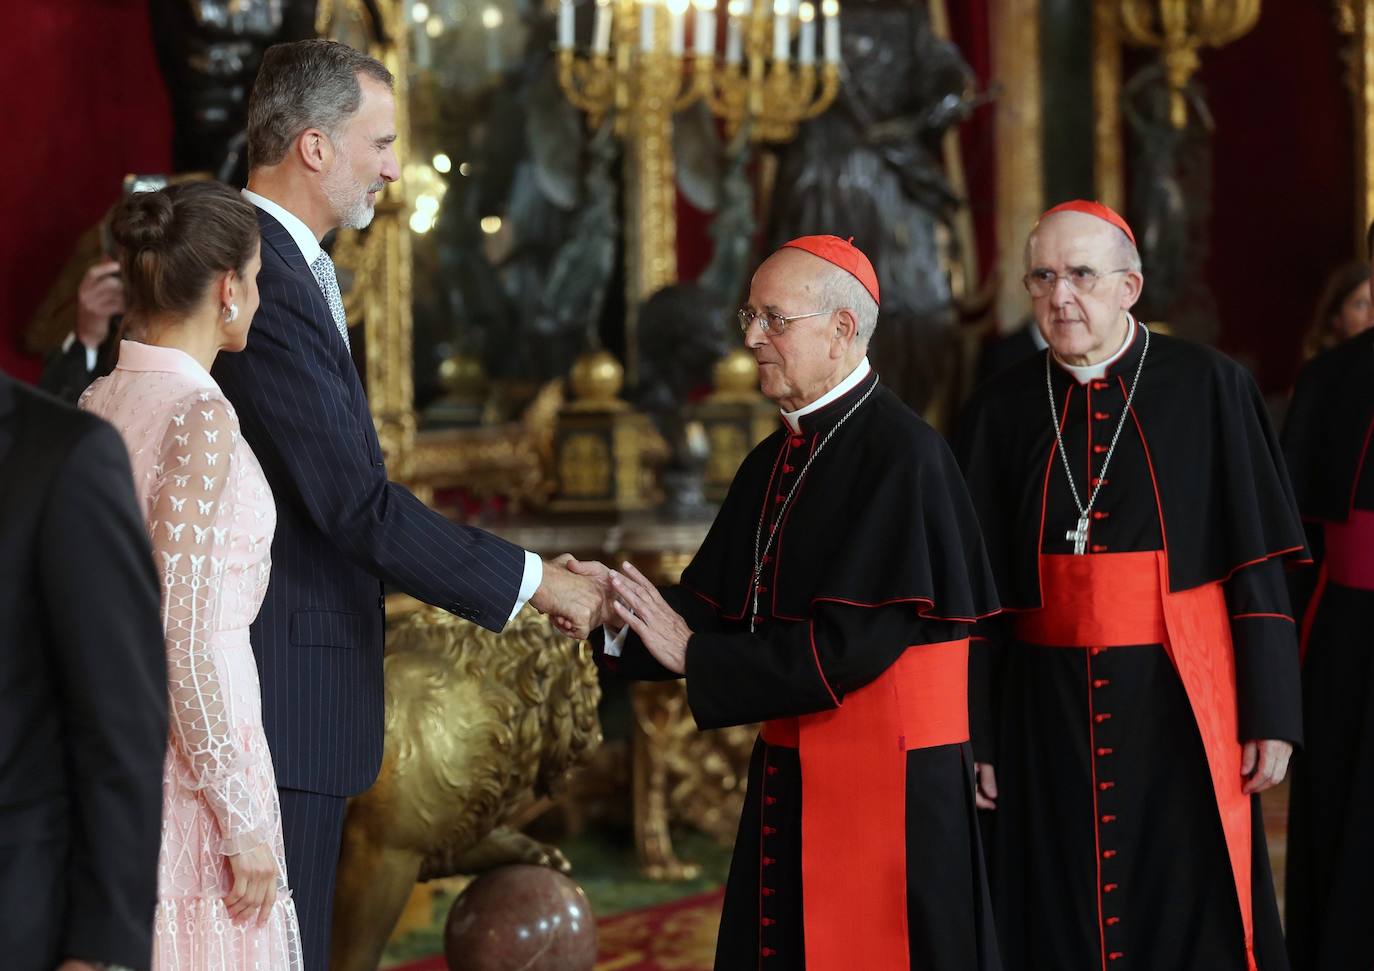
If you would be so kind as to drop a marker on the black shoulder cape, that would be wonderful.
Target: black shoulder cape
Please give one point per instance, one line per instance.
(881, 517)
(1224, 495)
(1326, 434)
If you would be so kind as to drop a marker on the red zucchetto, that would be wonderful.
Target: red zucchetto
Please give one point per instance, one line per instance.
(1105, 213)
(841, 253)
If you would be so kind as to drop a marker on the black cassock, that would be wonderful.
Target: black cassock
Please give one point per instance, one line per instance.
(1107, 848)
(876, 570)
(1330, 833)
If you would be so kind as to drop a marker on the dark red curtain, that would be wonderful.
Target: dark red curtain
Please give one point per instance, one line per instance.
(1284, 198)
(969, 30)
(83, 105)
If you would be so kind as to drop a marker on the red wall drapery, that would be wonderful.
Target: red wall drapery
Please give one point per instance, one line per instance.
(84, 105)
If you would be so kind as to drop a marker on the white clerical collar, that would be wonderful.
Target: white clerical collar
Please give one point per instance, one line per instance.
(305, 240)
(793, 418)
(1092, 372)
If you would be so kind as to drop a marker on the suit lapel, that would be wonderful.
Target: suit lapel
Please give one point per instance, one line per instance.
(274, 234)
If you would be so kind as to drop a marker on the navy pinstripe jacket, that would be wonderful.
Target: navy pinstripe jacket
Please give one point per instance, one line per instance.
(342, 528)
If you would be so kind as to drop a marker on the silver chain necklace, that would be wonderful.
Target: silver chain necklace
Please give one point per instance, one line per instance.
(1079, 535)
(758, 534)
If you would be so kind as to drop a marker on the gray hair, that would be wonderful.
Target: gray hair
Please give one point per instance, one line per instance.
(843, 291)
(305, 84)
(1127, 254)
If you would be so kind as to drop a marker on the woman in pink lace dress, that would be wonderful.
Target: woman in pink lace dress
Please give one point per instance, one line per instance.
(190, 263)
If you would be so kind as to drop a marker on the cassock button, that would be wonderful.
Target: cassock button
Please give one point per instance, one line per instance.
(1099, 547)
(1109, 888)
(788, 469)
(768, 952)
(762, 588)
(767, 891)
(767, 921)
(1100, 385)
(770, 800)
(757, 619)
(1094, 651)
(779, 498)
(797, 441)
(1096, 480)
(1108, 854)
(1114, 955)
(1099, 448)
(1104, 786)
(1113, 921)
(1100, 682)
(1109, 818)
(771, 770)
(1105, 716)
(1100, 514)
(1103, 751)
(769, 830)
(1101, 415)
(769, 861)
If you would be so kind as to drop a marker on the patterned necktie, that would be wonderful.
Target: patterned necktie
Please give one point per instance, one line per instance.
(323, 268)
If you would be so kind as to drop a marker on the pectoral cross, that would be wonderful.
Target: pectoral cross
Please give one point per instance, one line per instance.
(1079, 536)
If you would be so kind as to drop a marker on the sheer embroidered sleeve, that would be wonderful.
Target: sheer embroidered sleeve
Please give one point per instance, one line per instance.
(189, 522)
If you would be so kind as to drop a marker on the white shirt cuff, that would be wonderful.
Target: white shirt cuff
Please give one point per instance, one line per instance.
(92, 353)
(614, 643)
(534, 575)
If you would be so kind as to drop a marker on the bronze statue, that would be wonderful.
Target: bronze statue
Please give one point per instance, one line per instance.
(477, 724)
(209, 52)
(870, 167)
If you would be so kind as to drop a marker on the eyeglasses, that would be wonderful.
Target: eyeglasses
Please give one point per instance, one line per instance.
(771, 323)
(1082, 279)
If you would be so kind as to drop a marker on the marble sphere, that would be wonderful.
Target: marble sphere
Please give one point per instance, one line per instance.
(521, 916)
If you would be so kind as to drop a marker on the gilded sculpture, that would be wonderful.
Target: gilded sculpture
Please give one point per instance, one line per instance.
(478, 726)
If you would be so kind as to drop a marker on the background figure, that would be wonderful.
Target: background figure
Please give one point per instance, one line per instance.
(1171, 204)
(83, 720)
(870, 168)
(209, 52)
(1343, 310)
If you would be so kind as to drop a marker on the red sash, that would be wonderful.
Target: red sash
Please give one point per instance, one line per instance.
(1122, 599)
(1349, 557)
(853, 765)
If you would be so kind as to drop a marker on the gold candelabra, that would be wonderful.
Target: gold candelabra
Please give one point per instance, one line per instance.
(1179, 29)
(638, 69)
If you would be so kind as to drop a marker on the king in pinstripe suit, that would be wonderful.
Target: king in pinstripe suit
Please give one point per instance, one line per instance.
(320, 139)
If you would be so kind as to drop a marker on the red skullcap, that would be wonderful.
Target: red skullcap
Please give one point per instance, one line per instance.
(842, 253)
(1105, 213)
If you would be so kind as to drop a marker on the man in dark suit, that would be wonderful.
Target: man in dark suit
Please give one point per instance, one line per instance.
(83, 694)
(321, 133)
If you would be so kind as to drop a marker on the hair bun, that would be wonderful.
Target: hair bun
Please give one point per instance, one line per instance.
(143, 221)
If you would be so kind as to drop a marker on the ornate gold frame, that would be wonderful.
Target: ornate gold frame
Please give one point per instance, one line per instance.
(510, 459)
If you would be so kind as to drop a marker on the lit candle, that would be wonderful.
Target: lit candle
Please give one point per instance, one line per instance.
(566, 25)
(677, 26)
(646, 26)
(782, 27)
(734, 31)
(704, 33)
(806, 40)
(830, 10)
(491, 20)
(601, 28)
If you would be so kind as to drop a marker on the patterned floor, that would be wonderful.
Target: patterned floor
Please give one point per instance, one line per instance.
(674, 928)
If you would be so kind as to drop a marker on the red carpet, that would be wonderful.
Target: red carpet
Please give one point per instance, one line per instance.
(680, 936)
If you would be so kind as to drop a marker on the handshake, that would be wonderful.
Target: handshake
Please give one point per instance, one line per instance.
(581, 596)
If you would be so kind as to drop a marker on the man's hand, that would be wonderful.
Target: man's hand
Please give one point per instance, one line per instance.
(573, 601)
(254, 891)
(99, 297)
(1264, 763)
(985, 786)
(659, 626)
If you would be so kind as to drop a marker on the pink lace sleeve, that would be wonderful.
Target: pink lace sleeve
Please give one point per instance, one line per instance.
(190, 550)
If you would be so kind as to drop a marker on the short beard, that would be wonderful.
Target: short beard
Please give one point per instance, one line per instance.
(347, 197)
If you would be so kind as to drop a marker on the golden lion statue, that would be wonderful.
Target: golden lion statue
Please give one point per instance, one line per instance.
(477, 724)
